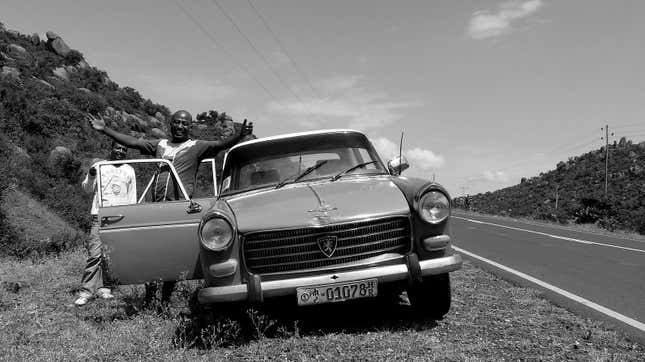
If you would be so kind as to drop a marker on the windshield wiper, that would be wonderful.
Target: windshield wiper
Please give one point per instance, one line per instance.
(304, 173)
(360, 165)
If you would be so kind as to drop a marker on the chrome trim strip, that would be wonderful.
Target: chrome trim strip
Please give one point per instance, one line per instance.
(169, 225)
(384, 274)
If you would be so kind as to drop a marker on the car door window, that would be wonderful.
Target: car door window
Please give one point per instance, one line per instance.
(138, 182)
(205, 182)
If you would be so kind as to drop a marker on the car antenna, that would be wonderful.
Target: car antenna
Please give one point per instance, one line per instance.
(400, 150)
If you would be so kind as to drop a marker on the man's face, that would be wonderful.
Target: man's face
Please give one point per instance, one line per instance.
(179, 129)
(119, 152)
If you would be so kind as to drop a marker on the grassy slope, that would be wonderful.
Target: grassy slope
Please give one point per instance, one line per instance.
(490, 320)
(31, 218)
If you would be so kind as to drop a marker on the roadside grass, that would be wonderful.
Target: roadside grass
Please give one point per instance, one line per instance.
(491, 320)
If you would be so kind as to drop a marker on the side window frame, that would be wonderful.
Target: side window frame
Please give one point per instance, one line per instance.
(134, 161)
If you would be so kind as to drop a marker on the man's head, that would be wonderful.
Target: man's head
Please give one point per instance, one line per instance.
(180, 123)
(118, 152)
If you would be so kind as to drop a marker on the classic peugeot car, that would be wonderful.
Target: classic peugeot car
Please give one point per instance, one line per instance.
(314, 215)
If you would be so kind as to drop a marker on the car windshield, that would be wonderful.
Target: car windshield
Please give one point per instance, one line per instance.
(267, 163)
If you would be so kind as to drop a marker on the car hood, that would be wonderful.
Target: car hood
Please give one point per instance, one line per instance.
(318, 204)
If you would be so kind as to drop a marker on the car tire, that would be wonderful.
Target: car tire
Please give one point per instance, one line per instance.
(431, 298)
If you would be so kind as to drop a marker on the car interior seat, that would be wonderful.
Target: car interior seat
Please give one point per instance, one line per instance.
(331, 167)
(264, 177)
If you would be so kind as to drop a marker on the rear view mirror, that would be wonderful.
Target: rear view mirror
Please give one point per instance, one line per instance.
(397, 165)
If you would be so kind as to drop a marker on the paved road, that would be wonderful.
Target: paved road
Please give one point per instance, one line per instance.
(606, 270)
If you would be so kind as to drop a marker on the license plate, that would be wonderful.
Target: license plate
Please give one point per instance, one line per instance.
(337, 292)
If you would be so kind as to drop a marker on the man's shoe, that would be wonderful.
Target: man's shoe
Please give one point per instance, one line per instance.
(83, 298)
(105, 293)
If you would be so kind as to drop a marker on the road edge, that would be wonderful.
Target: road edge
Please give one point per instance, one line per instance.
(630, 332)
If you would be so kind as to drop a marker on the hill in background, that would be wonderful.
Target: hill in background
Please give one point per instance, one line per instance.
(47, 89)
(578, 185)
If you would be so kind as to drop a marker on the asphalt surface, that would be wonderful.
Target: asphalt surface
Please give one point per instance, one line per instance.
(607, 270)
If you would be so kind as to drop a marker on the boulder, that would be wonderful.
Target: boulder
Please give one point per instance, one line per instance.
(57, 44)
(61, 162)
(10, 72)
(157, 133)
(160, 117)
(35, 39)
(51, 35)
(45, 83)
(4, 56)
(85, 90)
(70, 69)
(2, 27)
(15, 33)
(154, 122)
(18, 52)
(82, 64)
(53, 80)
(61, 73)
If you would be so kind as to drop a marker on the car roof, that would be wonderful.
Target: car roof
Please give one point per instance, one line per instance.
(291, 135)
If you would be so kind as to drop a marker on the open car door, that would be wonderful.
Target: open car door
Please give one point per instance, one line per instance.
(151, 236)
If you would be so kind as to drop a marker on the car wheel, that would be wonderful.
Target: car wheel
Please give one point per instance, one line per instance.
(431, 298)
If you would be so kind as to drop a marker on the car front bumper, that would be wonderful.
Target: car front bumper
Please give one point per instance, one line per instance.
(274, 288)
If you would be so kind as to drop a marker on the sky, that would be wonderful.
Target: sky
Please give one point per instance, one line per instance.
(485, 92)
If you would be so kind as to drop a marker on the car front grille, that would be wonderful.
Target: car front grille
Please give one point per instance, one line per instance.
(297, 249)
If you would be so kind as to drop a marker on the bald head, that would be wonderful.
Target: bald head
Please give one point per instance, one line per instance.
(180, 124)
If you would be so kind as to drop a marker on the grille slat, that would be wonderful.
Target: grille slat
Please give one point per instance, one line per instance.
(294, 250)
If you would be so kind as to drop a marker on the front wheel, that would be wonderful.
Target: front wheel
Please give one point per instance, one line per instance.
(432, 297)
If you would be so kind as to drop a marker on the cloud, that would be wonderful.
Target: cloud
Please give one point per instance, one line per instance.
(486, 24)
(343, 101)
(490, 176)
(418, 157)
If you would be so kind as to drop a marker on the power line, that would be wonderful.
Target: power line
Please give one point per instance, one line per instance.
(284, 50)
(235, 61)
(257, 52)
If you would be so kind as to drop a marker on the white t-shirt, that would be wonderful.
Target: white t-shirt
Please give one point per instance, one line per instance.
(118, 184)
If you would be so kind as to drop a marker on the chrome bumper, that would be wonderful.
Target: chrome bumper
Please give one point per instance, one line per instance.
(274, 288)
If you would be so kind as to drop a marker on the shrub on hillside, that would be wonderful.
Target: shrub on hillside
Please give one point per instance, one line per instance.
(592, 210)
(73, 57)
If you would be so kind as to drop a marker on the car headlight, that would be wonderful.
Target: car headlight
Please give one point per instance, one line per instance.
(216, 234)
(434, 207)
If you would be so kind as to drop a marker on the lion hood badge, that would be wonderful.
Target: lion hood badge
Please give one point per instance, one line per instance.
(327, 244)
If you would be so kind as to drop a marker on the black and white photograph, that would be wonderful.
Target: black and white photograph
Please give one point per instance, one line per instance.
(358, 180)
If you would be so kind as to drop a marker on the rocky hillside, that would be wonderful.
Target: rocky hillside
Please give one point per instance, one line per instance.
(578, 185)
(46, 91)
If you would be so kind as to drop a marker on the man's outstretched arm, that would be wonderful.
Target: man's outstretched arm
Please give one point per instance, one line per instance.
(214, 147)
(98, 123)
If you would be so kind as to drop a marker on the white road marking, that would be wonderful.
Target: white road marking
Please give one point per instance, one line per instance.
(552, 235)
(604, 310)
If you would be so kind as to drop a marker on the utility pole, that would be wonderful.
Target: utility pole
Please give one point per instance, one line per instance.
(556, 197)
(606, 138)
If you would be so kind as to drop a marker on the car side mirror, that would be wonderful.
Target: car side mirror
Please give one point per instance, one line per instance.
(193, 208)
(397, 165)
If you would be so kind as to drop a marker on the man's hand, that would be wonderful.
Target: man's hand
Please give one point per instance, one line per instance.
(98, 123)
(246, 129)
(92, 171)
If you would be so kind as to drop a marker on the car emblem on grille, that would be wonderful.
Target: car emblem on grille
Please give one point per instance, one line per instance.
(327, 244)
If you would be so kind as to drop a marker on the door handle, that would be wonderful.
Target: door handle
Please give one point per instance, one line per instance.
(111, 219)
